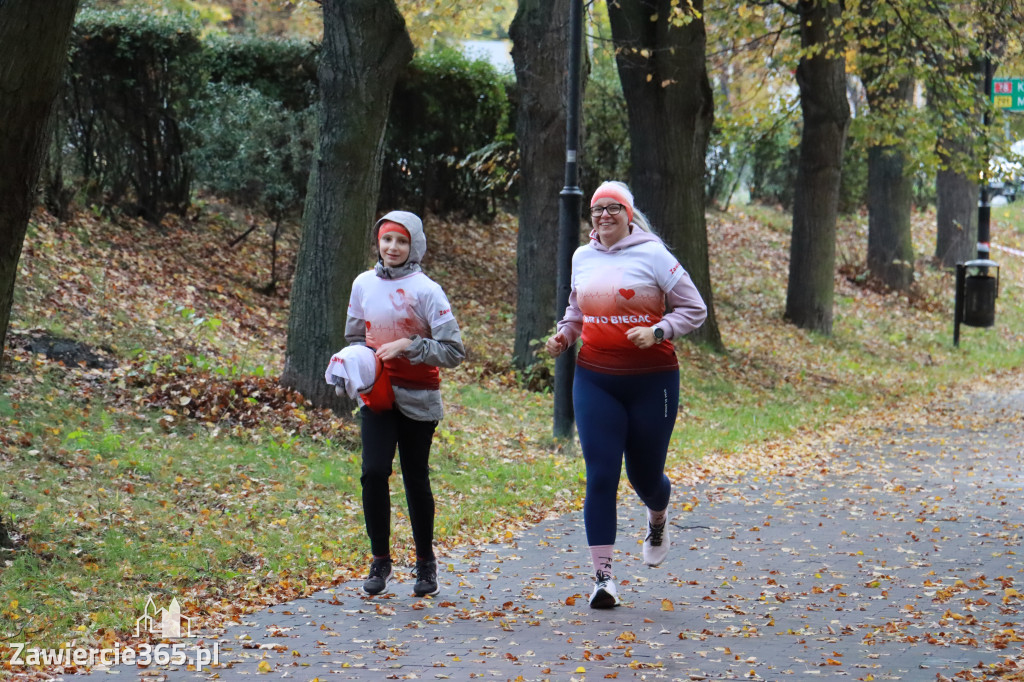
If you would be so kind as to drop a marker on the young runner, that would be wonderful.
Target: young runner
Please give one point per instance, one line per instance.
(405, 317)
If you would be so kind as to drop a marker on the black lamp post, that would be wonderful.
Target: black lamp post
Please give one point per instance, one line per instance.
(985, 205)
(977, 281)
(569, 210)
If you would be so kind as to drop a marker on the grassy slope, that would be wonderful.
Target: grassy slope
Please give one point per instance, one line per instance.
(186, 472)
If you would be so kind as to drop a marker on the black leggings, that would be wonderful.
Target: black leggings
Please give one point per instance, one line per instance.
(382, 433)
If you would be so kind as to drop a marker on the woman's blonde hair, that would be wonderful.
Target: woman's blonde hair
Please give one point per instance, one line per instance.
(642, 221)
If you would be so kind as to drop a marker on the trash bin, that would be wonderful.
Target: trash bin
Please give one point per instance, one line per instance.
(981, 288)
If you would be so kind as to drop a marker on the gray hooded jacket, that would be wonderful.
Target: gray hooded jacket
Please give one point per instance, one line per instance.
(444, 347)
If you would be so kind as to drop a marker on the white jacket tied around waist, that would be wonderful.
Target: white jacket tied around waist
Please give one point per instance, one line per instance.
(352, 370)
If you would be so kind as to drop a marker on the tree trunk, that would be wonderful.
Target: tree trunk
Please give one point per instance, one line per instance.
(890, 197)
(364, 48)
(884, 63)
(33, 52)
(956, 189)
(540, 36)
(956, 198)
(821, 78)
(664, 77)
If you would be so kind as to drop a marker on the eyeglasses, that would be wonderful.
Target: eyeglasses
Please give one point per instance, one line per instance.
(613, 209)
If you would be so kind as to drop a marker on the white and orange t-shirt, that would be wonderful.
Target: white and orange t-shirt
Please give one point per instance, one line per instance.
(614, 290)
(401, 308)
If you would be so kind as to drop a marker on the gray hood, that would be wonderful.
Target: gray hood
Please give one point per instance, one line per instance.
(417, 248)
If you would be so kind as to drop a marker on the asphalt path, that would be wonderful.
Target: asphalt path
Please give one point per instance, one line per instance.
(896, 555)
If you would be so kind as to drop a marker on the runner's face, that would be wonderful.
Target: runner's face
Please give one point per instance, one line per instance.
(610, 228)
(394, 249)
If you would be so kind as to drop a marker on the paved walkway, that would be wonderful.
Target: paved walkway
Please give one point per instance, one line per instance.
(898, 561)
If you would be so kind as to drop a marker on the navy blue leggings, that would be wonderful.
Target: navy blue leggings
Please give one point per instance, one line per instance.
(616, 415)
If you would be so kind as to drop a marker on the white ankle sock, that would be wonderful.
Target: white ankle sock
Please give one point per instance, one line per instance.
(657, 518)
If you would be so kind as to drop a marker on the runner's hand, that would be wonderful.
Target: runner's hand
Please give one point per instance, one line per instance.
(394, 349)
(642, 337)
(556, 345)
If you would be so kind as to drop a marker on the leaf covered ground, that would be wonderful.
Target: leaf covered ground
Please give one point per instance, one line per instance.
(147, 449)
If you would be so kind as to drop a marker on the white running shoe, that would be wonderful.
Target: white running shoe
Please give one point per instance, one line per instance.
(656, 542)
(604, 595)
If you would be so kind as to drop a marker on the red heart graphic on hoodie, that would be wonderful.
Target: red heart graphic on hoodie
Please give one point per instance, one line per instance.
(627, 293)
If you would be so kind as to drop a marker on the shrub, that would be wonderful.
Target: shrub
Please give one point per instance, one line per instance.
(132, 79)
(281, 70)
(775, 152)
(252, 150)
(140, 124)
(447, 115)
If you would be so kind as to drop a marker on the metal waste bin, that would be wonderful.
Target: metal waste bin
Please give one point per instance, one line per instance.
(980, 292)
(977, 287)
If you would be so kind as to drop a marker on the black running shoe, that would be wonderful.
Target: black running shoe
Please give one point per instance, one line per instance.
(380, 574)
(426, 578)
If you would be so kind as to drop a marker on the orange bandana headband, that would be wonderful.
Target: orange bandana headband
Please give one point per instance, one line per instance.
(616, 191)
(388, 226)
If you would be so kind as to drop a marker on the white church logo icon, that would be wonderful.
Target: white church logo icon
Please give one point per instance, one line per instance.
(164, 623)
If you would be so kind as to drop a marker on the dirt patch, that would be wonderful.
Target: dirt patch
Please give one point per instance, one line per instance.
(67, 352)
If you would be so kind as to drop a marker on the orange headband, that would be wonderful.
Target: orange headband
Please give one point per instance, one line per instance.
(609, 190)
(388, 226)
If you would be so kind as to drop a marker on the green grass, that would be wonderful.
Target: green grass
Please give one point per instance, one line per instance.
(1008, 218)
(117, 500)
(113, 503)
(769, 217)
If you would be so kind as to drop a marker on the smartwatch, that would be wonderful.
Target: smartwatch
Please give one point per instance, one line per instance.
(659, 334)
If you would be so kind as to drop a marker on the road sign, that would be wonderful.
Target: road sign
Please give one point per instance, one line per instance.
(1008, 94)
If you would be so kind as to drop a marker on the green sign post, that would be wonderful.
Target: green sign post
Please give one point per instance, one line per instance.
(1008, 94)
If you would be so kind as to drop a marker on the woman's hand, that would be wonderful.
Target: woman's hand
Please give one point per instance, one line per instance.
(394, 349)
(642, 337)
(556, 345)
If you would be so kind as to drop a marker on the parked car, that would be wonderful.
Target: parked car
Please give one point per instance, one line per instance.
(1005, 177)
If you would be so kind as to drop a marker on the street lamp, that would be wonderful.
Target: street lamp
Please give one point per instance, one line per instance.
(569, 210)
(977, 281)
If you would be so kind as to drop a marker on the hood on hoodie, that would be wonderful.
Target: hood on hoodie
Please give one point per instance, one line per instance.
(411, 222)
(637, 236)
